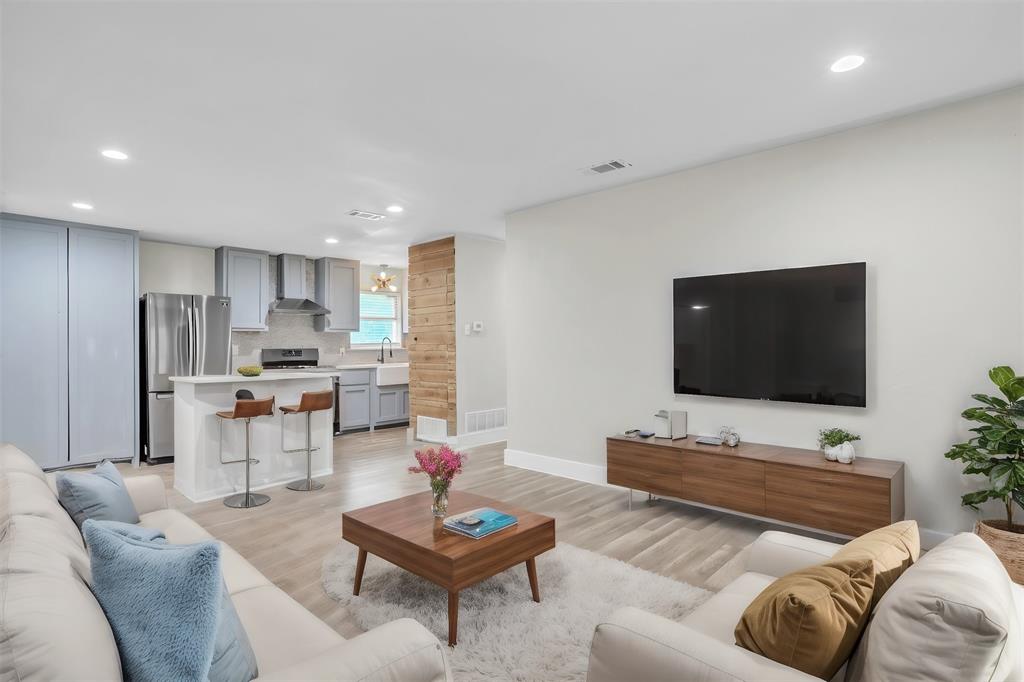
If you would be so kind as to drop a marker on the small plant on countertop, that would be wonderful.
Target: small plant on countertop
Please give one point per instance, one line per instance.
(830, 438)
(250, 370)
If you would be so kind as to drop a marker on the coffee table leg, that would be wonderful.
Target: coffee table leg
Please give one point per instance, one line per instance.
(531, 570)
(453, 618)
(360, 565)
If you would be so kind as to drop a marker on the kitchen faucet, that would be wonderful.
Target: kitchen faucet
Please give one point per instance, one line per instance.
(391, 353)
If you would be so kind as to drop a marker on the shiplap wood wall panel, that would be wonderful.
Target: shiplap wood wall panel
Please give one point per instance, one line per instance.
(432, 332)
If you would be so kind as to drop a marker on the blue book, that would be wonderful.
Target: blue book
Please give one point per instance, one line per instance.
(491, 521)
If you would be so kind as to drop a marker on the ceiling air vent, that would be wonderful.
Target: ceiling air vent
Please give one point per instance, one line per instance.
(366, 215)
(606, 167)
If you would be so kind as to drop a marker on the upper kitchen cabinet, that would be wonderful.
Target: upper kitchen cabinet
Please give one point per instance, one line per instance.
(244, 275)
(69, 331)
(337, 289)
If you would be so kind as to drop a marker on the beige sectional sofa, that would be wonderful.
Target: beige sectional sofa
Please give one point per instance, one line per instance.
(954, 615)
(52, 628)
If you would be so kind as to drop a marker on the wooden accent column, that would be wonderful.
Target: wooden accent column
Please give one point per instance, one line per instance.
(432, 332)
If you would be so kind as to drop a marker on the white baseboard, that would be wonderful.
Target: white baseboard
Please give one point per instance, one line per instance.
(579, 471)
(472, 440)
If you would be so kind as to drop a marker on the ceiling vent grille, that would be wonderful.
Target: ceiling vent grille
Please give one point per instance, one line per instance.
(606, 167)
(366, 215)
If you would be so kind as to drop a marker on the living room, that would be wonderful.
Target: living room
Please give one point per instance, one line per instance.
(528, 341)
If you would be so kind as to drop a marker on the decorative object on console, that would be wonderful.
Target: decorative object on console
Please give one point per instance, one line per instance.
(100, 494)
(729, 436)
(662, 424)
(837, 445)
(382, 280)
(997, 453)
(441, 465)
(678, 424)
(250, 370)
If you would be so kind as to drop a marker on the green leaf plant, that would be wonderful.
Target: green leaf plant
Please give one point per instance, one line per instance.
(997, 449)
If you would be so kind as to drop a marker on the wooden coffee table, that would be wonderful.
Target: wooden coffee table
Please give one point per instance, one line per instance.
(404, 532)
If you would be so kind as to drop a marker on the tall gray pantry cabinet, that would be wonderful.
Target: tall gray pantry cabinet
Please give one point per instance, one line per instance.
(68, 340)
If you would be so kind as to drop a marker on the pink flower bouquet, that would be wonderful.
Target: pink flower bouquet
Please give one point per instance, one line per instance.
(441, 465)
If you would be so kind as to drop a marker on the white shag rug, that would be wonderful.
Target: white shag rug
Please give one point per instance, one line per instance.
(503, 633)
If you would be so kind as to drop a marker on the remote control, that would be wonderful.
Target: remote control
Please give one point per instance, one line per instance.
(709, 440)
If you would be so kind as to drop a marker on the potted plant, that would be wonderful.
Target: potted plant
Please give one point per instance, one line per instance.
(441, 465)
(997, 452)
(837, 444)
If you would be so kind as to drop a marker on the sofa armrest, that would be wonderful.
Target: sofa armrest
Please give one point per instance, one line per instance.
(637, 645)
(399, 651)
(147, 493)
(778, 554)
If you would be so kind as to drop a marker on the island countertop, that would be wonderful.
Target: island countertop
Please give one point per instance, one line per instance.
(239, 379)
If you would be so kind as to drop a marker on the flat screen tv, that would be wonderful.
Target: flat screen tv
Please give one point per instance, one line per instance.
(794, 335)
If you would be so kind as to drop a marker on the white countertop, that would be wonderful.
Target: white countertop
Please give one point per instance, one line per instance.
(373, 365)
(239, 379)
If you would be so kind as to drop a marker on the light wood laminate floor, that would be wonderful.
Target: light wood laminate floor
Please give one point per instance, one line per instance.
(288, 538)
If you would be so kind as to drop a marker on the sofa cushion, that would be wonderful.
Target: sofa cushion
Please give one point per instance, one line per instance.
(34, 544)
(280, 629)
(23, 494)
(13, 459)
(52, 628)
(162, 602)
(717, 617)
(810, 619)
(893, 549)
(954, 610)
(99, 494)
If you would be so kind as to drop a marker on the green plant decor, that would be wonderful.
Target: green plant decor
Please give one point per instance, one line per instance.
(997, 449)
(829, 438)
(250, 370)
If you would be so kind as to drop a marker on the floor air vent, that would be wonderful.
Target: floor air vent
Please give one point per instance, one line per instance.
(485, 420)
(431, 429)
(606, 167)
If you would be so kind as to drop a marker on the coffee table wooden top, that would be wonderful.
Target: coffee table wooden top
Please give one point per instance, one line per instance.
(409, 519)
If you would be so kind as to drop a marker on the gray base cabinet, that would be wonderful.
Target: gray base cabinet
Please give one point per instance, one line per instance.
(69, 333)
(363, 404)
(355, 406)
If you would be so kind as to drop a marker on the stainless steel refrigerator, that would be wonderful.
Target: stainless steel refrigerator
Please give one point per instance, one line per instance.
(181, 335)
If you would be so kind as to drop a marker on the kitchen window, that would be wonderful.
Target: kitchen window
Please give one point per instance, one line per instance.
(379, 316)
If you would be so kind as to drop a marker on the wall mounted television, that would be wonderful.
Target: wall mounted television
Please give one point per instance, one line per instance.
(794, 335)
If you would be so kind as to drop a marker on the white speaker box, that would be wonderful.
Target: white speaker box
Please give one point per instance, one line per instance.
(678, 424)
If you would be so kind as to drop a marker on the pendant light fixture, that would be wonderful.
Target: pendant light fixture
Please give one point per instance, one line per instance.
(382, 280)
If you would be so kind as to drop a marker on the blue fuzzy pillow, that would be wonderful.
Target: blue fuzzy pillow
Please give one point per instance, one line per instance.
(100, 494)
(232, 658)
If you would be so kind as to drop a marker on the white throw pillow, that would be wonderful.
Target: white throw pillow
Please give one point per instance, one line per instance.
(950, 616)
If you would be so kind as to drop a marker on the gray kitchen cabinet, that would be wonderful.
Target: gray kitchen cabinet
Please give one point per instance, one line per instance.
(355, 406)
(34, 338)
(337, 289)
(69, 332)
(389, 404)
(405, 402)
(244, 275)
(102, 359)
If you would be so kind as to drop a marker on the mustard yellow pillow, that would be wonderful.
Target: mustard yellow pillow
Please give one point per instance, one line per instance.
(810, 619)
(892, 549)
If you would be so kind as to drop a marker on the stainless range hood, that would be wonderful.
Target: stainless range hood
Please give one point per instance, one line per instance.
(291, 288)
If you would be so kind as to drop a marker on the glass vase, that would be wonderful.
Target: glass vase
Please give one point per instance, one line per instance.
(439, 505)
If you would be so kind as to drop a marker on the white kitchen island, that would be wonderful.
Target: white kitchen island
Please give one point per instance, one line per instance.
(199, 474)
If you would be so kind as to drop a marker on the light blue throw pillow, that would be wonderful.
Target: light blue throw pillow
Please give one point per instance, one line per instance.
(233, 659)
(100, 494)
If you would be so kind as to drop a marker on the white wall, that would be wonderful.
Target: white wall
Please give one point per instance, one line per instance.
(175, 269)
(931, 201)
(480, 372)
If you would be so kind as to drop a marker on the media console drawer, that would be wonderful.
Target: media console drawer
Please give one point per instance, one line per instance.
(787, 484)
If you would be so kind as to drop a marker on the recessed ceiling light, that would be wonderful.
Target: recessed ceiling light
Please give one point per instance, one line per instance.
(115, 154)
(81, 205)
(395, 208)
(331, 240)
(698, 307)
(847, 63)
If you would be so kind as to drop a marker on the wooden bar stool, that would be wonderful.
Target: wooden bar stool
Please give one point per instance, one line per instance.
(247, 408)
(310, 402)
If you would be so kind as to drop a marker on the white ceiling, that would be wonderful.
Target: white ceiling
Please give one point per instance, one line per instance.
(261, 124)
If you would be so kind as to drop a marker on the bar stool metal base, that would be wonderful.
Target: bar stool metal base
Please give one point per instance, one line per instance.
(246, 500)
(305, 484)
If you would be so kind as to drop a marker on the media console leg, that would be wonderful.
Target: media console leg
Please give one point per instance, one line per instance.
(629, 497)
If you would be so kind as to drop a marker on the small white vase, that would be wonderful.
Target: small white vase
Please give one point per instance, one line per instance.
(842, 453)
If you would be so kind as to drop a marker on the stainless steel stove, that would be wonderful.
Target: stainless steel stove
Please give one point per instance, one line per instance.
(301, 360)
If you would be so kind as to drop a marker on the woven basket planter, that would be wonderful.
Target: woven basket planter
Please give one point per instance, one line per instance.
(1008, 546)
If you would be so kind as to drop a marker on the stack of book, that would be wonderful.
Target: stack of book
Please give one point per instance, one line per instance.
(487, 521)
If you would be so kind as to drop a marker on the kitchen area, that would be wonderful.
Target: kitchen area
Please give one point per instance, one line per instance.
(293, 325)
